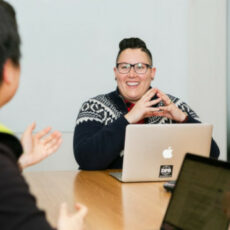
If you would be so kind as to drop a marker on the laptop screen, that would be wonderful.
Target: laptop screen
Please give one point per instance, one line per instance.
(201, 199)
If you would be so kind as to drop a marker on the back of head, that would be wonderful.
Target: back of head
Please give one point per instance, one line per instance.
(133, 43)
(9, 37)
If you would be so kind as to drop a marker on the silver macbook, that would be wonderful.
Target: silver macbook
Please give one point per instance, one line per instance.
(155, 152)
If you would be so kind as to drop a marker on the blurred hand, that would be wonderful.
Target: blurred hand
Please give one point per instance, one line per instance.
(75, 221)
(143, 108)
(38, 146)
(170, 110)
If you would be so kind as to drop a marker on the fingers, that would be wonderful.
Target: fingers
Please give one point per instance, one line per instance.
(159, 113)
(165, 111)
(154, 102)
(42, 133)
(71, 221)
(51, 143)
(56, 135)
(165, 108)
(30, 128)
(52, 138)
(149, 94)
(82, 210)
(154, 91)
(164, 97)
(152, 110)
(52, 148)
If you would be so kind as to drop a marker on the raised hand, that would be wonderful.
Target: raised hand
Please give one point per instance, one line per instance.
(38, 146)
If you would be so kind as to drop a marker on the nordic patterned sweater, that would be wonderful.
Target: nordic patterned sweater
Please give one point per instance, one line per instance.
(100, 130)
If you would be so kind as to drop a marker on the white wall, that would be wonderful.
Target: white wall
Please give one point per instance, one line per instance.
(207, 64)
(69, 50)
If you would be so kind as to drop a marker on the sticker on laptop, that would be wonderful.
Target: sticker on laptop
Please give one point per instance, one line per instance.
(166, 171)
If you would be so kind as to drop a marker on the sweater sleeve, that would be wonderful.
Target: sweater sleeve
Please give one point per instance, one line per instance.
(97, 146)
(18, 207)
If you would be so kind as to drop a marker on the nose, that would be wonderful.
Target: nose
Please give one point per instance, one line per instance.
(132, 72)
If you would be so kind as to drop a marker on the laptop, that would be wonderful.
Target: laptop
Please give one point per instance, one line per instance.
(201, 199)
(155, 152)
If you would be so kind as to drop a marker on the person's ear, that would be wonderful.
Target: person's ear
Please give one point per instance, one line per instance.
(8, 72)
(153, 73)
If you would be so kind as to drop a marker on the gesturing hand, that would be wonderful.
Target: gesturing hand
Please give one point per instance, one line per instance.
(170, 110)
(71, 221)
(143, 108)
(38, 146)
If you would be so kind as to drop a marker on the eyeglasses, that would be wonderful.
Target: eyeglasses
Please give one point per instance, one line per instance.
(140, 68)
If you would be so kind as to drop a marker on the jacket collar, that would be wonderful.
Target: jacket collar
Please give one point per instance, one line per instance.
(4, 129)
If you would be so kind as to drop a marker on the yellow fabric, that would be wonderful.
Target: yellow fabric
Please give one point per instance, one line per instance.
(4, 129)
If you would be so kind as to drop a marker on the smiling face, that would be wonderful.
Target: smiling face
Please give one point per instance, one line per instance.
(132, 85)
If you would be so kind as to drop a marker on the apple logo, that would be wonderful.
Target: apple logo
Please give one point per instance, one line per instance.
(167, 153)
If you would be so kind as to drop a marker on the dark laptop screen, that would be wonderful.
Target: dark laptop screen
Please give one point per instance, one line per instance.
(201, 196)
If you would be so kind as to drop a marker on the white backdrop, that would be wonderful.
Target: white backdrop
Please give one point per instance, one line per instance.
(69, 50)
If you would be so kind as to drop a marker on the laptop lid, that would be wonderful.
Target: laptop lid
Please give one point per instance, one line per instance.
(201, 198)
(155, 152)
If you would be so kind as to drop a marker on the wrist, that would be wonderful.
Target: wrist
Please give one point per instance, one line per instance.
(22, 162)
(20, 165)
(184, 118)
(128, 118)
(131, 118)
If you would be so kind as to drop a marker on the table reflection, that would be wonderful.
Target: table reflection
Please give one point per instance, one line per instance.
(116, 205)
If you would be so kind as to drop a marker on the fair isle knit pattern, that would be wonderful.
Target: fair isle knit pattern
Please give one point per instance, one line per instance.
(102, 109)
(98, 109)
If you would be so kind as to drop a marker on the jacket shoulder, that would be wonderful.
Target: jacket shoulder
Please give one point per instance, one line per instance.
(11, 143)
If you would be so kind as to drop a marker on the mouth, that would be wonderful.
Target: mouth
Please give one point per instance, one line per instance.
(132, 83)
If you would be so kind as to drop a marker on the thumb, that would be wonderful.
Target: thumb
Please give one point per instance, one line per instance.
(30, 128)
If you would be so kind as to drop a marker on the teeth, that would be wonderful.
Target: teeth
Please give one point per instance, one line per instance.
(132, 83)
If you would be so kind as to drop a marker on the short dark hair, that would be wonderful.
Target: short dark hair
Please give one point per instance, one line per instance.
(133, 43)
(9, 36)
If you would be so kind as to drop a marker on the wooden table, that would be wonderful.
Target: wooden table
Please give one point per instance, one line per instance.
(111, 205)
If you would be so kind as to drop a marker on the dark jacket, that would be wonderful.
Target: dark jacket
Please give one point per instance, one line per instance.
(18, 210)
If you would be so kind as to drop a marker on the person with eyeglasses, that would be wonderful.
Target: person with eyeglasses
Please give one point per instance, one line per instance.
(100, 127)
(18, 209)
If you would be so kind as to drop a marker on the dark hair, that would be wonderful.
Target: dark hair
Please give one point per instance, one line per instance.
(9, 37)
(133, 43)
